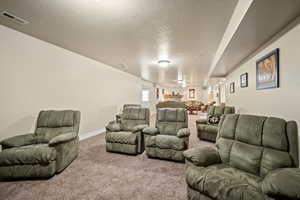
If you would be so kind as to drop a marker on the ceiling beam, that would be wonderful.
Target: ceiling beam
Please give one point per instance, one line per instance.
(236, 19)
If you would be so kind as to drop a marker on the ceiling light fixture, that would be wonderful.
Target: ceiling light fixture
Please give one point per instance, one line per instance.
(164, 63)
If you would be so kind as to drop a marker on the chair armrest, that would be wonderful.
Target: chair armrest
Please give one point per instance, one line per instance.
(62, 138)
(184, 132)
(111, 122)
(284, 182)
(201, 121)
(150, 131)
(19, 140)
(202, 156)
(113, 126)
(139, 127)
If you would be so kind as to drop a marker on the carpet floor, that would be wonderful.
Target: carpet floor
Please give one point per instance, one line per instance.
(99, 175)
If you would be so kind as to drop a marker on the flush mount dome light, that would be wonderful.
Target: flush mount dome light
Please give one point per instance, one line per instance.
(164, 63)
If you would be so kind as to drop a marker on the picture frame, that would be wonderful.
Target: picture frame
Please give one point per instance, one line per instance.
(232, 87)
(267, 71)
(157, 93)
(191, 93)
(244, 80)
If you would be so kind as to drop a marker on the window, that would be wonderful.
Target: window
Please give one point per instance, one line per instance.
(145, 95)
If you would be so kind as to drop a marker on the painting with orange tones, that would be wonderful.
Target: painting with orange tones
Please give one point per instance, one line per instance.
(267, 71)
(191, 93)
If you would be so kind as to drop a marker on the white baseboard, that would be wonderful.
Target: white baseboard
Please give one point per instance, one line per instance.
(91, 134)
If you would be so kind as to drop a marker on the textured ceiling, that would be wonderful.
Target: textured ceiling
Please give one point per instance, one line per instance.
(131, 35)
(264, 19)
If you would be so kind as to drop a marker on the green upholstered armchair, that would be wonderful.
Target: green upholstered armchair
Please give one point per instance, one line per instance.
(126, 136)
(170, 137)
(208, 131)
(255, 157)
(49, 150)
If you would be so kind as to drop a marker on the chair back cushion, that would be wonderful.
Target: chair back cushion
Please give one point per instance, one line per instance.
(134, 116)
(52, 123)
(220, 110)
(170, 104)
(131, 106)
(257, 144)
(170, 120)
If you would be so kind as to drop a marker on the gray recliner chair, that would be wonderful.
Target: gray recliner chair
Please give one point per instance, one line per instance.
(206, 130)
(256, 158)
(119, 116)
(49, 150)
(126, 136)
(170, 137)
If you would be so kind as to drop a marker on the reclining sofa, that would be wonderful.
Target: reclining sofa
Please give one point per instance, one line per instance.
(49, 150)
(126, 136)
(255, 158)
(170, 137)
(207, 130)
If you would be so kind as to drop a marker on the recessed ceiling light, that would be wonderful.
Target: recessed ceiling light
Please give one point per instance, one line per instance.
(164, 63)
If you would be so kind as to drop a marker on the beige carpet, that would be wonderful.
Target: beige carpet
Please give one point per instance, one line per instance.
(96, 174)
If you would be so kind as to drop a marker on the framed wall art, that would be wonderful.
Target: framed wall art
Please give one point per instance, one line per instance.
(231, 88)
(191, 93)
(267, 71)
(244, 80)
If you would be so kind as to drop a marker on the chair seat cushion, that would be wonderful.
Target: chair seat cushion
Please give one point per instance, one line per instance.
(208, 128)
(166, 142)
(283, 182)
(30, 154)
(123, 137)
(224, 182)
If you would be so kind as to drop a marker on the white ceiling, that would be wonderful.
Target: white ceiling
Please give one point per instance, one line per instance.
(132, 35)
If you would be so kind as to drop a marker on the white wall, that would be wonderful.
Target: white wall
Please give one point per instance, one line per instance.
(223, 93)
(204, 96)
(283, 102)
(35, 75)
